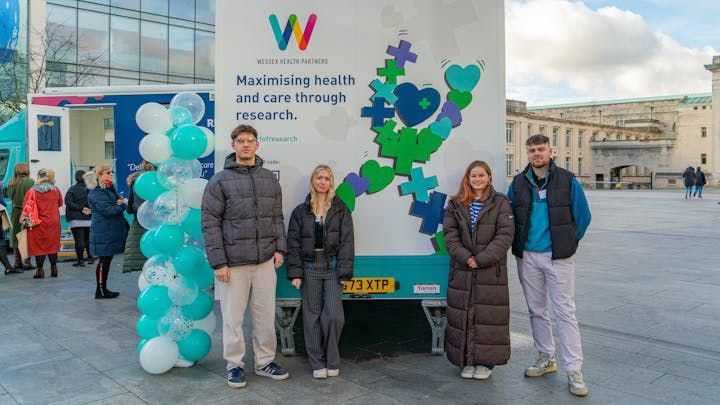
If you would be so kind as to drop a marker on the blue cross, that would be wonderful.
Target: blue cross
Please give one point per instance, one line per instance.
(378, 112)
(402, 53)
(418, 185)
(432, 213)
(384, 90)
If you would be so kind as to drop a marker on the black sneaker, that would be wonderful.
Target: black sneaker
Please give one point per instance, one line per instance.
(273, 371)
(236, 377)
(79, 264)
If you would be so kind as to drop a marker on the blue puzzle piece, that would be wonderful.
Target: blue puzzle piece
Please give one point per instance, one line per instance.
(418, 185)
(384, 90)
(378, 112)
(432, 213)
(402, 53)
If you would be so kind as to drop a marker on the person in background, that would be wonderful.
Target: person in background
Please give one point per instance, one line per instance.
(77, 213)
(108, 228)
(700, 182)
(479, 230)
(133, 259)
(3, 239)
(689, 179)
(41, 216)
(19, 184)
(321, 253)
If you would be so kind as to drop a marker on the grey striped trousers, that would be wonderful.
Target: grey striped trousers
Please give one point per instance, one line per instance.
(323, 316)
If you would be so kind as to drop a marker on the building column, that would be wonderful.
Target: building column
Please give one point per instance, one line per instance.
(715, 69)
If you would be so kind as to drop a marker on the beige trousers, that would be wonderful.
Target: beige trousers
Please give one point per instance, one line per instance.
(253, 284)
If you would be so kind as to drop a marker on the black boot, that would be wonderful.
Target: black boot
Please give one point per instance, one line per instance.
(18, 261)
(53, 270)
(6, 263)
(101, 278)
(39, 273)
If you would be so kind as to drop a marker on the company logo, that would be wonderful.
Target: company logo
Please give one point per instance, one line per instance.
(292, 28)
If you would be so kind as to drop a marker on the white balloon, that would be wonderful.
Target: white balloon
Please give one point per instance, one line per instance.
(192, 192)
(159, 270)
(155, 148)
(210, 142)
(193, 102)
(146, 216)
(175, 172)
(142, 283)
(153, 118)
(170, 207)
(159, 355)
(207, 324)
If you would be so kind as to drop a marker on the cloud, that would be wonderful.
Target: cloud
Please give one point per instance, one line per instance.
(562, 51)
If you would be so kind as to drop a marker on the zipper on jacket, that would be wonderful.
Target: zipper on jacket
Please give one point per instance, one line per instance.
(497, 272)
(257, 222)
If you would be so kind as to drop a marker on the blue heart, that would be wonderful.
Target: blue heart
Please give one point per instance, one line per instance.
(441, 127)
(462, 78)
(415, 106)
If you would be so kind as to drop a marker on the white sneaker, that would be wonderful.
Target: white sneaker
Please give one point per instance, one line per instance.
(543, 365)
(481, 373)
(577, 384)
(322, 373)
(333, 372)
(467, 372)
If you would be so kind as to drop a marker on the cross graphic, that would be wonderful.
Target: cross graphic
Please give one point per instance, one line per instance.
(406, 147)
(424, 103)
(402, 53)
(384, 90)
(431, 213)
(378, 112)
(418, 185)
(390, 72)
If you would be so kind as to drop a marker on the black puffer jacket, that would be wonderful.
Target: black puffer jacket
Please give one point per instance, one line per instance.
(339, 239)
(76, 199)
(242, 217)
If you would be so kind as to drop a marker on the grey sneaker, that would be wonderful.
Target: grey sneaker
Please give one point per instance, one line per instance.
(482, 373)
(543, 365)
(467, 372)
(577, 384)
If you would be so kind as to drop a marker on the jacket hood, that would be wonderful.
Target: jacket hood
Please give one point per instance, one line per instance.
(231, 163)
(91, 180)
(79, 176)
(43, 187)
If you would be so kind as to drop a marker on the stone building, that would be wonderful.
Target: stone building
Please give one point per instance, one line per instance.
(644, 142)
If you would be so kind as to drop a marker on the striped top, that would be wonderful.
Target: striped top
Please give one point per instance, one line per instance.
(475, 208)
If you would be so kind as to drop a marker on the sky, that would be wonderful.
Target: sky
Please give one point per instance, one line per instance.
(561, 51)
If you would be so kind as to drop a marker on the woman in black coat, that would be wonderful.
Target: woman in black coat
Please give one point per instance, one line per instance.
(77, 213)
(321, 253)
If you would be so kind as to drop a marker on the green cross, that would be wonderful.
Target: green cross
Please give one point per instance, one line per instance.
(424, 103)
(390, 72)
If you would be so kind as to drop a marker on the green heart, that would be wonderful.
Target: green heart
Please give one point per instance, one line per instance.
(346, 193)
(379, 177)
(461, 98)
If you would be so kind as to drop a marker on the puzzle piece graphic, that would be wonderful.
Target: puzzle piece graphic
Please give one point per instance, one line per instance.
(431, 212)
(418, 185)
(377, 111)
(391, 71)
(402, 53)
(384, 90)
(438, 242)
(359, 184)
(346, 194)
(379, 176)
(407, 147)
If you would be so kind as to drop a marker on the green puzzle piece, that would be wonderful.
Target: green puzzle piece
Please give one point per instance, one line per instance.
(439, 243)
(406, 147)
(379, 177)
(461, 98)
(346, 193)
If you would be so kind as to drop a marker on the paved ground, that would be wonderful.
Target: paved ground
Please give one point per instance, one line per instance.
(648, 280)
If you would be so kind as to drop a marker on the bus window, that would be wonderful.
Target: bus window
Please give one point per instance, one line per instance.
(4, 161)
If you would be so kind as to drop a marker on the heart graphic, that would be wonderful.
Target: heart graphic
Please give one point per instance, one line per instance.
(379, 177)
(441, 127)
(450, 110)
(415, 106)
(359, 184)
(462, 78)
(346, 193)
(461, 98)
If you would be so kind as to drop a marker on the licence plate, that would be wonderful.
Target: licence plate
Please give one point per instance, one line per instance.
(369, 285)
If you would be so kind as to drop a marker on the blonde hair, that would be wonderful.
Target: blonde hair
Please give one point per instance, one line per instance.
(46, 175)
(314, 203)
(99, 170)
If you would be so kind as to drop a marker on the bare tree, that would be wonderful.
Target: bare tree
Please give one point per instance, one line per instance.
(22, 73)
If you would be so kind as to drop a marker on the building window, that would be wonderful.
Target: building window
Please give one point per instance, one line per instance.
(129, 4)
(703, 132)
(62, 26)
(509, 129)
(109, 150)
(580, 166)
(510, 164)
(568, 137)
(205, 11)
(555, 133)
(568, 165)
(155, 6)
(125, 42)
(184, 9)
(542, 130)
(594, 136)
(703, 158)
(581, 134)
(109, 123)
(204, 54)
(154, 47)
(182, 52)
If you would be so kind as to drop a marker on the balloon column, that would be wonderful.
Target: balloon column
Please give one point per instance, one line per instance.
(176, 321)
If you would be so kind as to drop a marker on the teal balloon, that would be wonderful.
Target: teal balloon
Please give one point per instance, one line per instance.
(205, 277)
(147, 327)
(147, 186)
(168, 238)
(154, 301)
(140, 346)
(188, 142)
(191, 224)
(200, 308)
(196, 345)
(188, 261)
(147, 244)
(180, 116)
